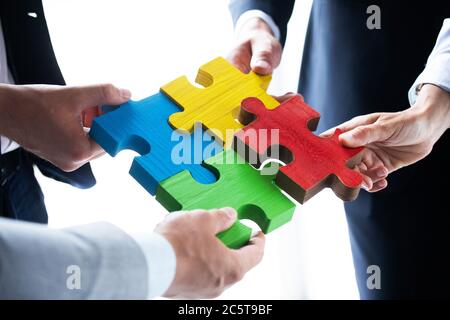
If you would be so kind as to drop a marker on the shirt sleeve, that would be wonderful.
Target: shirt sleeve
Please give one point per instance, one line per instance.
(161, 262)
(437, 70)
(277, 11)
(250, 14)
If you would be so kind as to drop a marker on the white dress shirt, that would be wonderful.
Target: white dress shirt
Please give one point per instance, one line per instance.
(437, 70)
(159, 254)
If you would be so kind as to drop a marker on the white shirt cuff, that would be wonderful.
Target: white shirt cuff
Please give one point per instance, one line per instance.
(161, 262)
(250, 14)
(437, 70)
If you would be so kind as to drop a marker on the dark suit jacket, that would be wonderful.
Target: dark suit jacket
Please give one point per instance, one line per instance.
(31, 60)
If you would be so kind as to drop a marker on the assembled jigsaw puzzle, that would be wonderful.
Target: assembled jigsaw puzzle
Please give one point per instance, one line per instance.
(212, 174)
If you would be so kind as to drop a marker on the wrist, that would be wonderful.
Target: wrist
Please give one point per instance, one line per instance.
(161, 262)
(256, 25)
(433, 105)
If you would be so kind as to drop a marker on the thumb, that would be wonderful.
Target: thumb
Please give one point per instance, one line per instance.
(99, 94)
(223, 219)
(362, 136)
(266, 56)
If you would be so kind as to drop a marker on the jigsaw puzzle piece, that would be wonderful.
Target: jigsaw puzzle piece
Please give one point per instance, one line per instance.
(240, 186)
(312, 162)
(143, 126)
(216, 105)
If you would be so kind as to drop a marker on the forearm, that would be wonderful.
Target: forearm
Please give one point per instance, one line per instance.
(433, 104)
(41, 263)
(5, 109)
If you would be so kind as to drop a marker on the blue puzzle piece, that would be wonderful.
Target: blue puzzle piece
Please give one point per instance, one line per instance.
(143, 126)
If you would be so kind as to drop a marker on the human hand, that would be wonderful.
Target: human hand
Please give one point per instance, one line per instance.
(46, 120)
(256, 48)
(398, 139)
(205, 266)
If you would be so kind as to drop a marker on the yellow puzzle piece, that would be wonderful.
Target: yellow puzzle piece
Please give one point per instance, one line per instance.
(216, 105)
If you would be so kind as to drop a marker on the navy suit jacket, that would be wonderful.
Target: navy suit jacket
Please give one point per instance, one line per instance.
(31, 60)
(349, 70)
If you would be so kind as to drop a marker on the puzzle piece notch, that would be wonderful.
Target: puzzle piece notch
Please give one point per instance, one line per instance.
(312, 162)
(143, 126)
(240, 186)
(214, 105)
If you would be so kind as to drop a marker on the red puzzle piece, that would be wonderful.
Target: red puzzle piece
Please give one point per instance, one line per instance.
(312, 162)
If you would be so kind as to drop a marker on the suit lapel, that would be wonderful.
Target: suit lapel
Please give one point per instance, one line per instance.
(29, 50)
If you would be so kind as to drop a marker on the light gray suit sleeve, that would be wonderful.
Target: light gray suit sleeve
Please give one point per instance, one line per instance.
(37, 262)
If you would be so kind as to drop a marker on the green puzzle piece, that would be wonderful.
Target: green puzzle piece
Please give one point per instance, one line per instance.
(240, 186)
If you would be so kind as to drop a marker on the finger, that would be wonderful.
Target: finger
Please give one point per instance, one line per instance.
(240, 57)
(377, 174)
(252, 254)
(353, 123)
(266, 55)
(88, 115)
(372, 166)
(100, 94)
(180, 214)
(378, 186)
(223, 219)
(367, 183)
(288, 96)
(364, 135)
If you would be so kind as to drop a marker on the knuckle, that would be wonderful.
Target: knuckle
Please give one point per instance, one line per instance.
(78, 153)
(360, 132)
(427, 147)
(275, 44)
(108, 91)
(235, 272)
(265, 53)
(219, 285)
(378, 127)
(66, 166)
(234, 276)
(359, 118)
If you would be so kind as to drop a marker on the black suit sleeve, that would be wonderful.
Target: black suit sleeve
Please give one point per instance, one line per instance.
(279, 10)
(31, 60)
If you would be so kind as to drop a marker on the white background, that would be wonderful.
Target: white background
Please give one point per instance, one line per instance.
(140, 45)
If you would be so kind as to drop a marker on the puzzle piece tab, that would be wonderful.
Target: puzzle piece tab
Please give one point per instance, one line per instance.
(216, 105)
(240, 186)
(143, 126)
(312, 162)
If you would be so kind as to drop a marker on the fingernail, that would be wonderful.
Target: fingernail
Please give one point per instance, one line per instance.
(263, 64)
(230, 212)
(125, 93)
(243, 68)
(382, 172)
(382, 184)
(364, 186)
